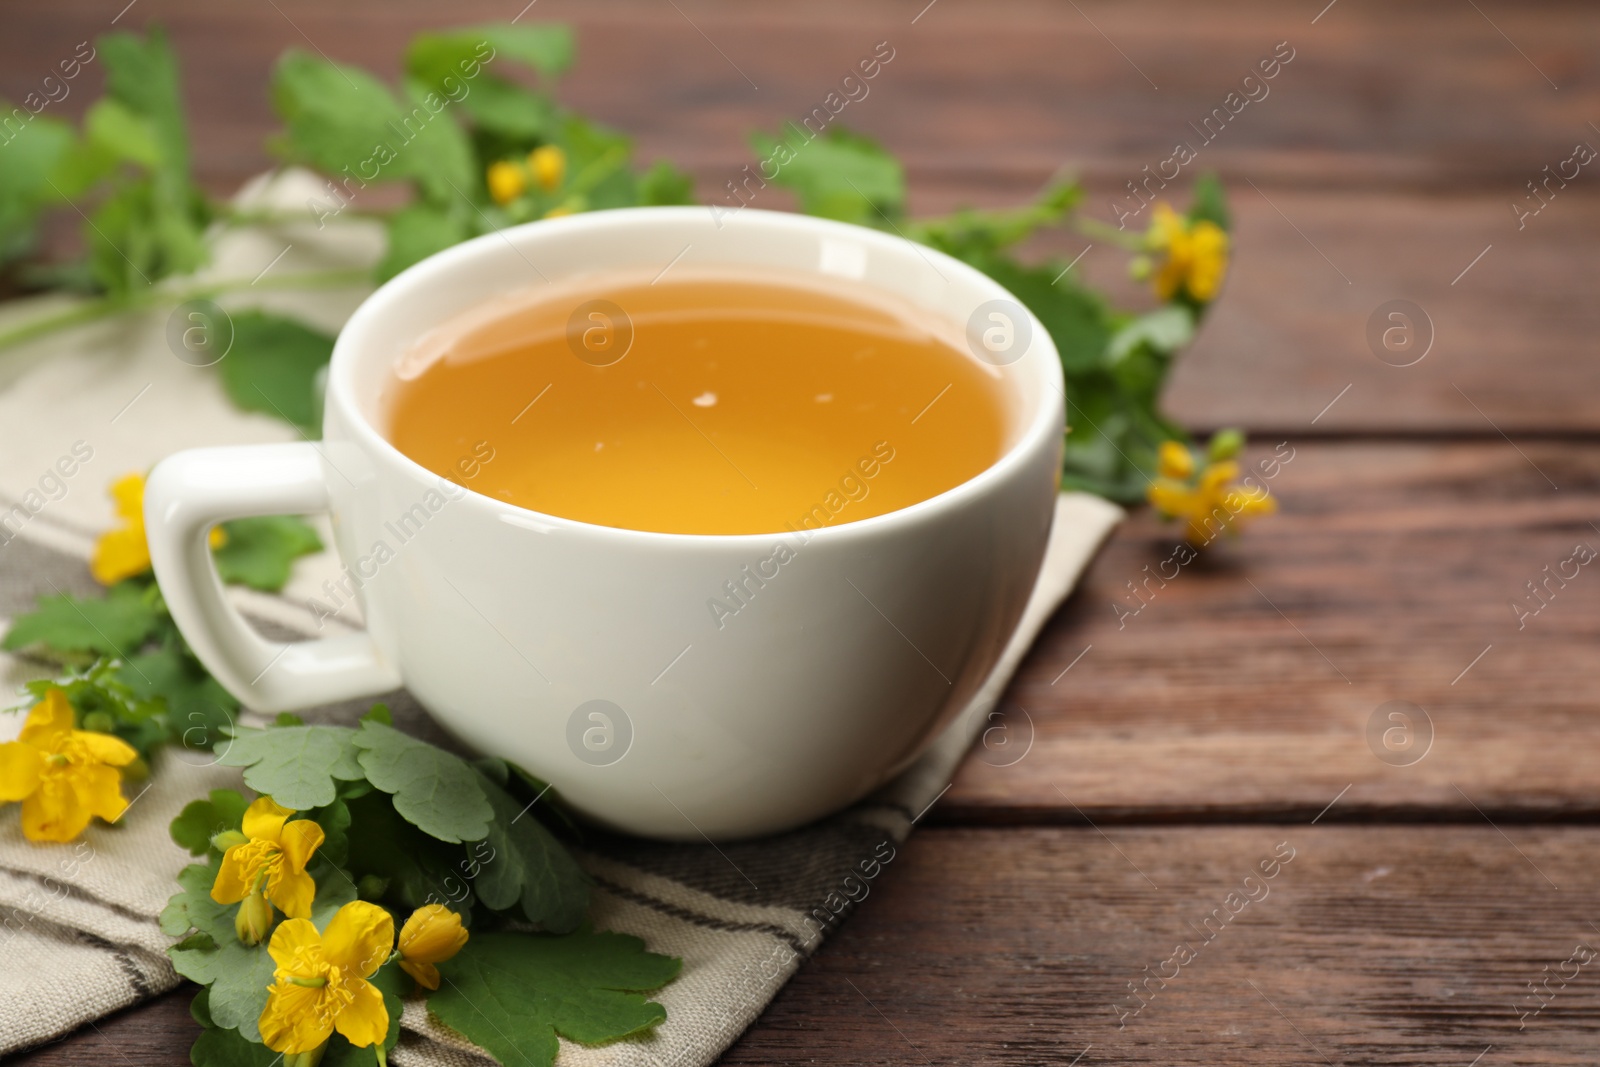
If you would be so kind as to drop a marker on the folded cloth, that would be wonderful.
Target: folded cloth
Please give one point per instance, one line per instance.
(78, 931)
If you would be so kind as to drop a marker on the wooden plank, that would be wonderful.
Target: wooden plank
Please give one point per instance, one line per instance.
(1018, 87)
(1396, 945)
(1243, 688)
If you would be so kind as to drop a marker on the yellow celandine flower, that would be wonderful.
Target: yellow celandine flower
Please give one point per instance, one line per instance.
(506, 181)
(320, 984)
(1196, 255)
(63, 776)
(432, 935)
(124, 552)
(268, 867)
(549, 165)
(1211, 503)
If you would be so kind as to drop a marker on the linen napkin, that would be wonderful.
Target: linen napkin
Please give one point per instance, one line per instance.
(78, 931)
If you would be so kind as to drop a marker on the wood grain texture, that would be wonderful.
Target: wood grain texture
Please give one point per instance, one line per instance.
(1393, 945)
(1243, 688)
(1378, 94)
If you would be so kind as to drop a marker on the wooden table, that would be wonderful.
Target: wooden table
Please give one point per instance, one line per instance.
(1236, 719)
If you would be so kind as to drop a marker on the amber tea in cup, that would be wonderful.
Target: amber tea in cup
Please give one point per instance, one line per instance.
(701, 402)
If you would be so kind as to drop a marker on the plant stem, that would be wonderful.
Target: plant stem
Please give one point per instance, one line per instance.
(1132, 240)
(105, 306)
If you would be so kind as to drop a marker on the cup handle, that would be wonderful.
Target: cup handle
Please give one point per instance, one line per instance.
(185, 496)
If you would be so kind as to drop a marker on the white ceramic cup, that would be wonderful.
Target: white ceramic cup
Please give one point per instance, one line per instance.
(587, 654)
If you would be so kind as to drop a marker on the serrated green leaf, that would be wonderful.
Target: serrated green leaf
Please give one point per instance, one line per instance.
(837, 175)
(529, 867)
(334, 114)
(513, 993)
(116, 624)
(434, 790)
(295, 765)
(261, 550)
(200, 820)
(199, 711)
(431, 148)
(417, 232)
(272, 366)
(342, 120)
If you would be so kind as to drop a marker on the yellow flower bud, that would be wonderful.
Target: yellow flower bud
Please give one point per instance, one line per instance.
(1175, 460)
(254, 918)
(549, 166)
(432, 935)
(506, 181)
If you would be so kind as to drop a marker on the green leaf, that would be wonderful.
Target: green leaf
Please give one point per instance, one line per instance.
(417, 232)
(838, 175)
(665, 184)
(511, 111)
(547, 48)
(199, 711)
(200, 820)
(294, 765)
(970, 234)
(1210, 201)
(453, 64)
(1076, 318)
(260, 550)
(513, 993)
(434, 790)
(117, 129)
(342, 120)
(528, 866)
(217, 1047)
(335, 822)
(238, 975)
(597, 164)
(141, 233)
(143, 75)
(432, 148)
(103, 703)
(1166, 330)
(113, 625)
(272, 366)
(32, 153)
(335, 114)
(148, 227)
(418, 869)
